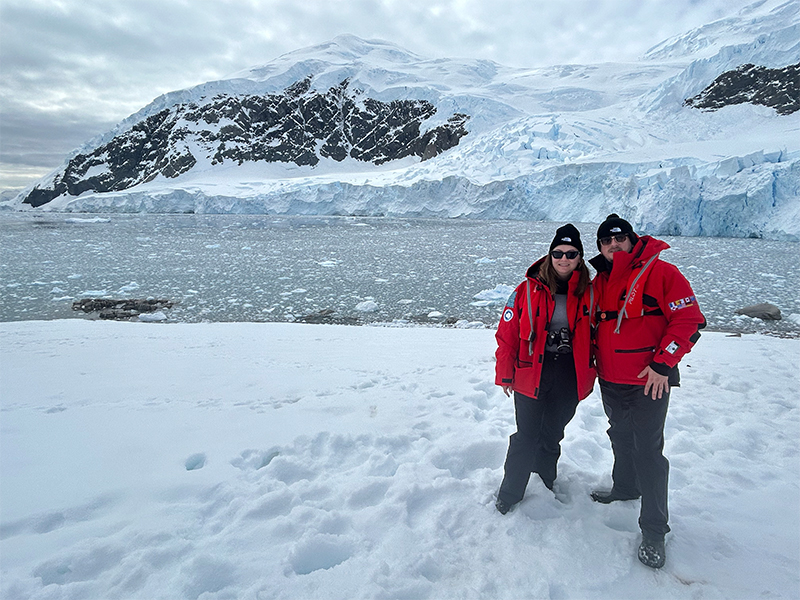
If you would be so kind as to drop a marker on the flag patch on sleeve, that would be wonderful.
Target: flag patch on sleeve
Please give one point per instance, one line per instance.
(682, 303)
(672, 347)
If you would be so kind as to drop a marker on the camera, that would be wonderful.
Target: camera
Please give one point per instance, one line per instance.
(561, 339)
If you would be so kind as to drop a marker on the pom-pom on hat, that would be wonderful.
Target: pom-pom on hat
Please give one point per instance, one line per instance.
(567, 234)
(614, 225)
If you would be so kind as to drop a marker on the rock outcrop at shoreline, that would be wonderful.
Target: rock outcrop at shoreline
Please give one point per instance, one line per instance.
(120, 310)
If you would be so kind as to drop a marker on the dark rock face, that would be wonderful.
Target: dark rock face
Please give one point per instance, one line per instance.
(776, 88)
(297, 126)
(120, 309)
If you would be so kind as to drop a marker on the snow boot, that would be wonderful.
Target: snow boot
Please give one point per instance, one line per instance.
(502, 507)
(652, 553)
(609, 497)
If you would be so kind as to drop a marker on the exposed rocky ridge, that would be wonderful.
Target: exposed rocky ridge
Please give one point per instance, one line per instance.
(299, 126)
(775, 88)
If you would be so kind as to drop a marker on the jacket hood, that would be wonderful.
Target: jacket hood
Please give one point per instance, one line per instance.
(533, 270)
(643, 250)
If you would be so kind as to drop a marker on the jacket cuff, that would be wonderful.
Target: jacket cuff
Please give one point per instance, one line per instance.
(660, 368)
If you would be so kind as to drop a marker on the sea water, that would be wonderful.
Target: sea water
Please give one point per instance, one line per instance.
(357, 270)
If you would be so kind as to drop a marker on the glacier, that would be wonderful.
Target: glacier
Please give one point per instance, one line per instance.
(567, 142)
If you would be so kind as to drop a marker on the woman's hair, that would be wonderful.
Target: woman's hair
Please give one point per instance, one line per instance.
(549, 276)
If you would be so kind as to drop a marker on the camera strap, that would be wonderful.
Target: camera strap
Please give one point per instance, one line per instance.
(530, 318)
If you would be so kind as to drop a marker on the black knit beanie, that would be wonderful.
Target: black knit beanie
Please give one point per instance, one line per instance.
(567, 234)
(613, 225)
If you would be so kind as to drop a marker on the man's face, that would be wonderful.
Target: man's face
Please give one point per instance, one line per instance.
(610, 245)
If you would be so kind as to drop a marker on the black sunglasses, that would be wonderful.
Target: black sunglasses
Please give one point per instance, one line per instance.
(569, 253)
(619, 238)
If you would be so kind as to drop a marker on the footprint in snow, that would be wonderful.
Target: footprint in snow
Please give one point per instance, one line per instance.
(255, 459)
(320, 552)
(195, 462)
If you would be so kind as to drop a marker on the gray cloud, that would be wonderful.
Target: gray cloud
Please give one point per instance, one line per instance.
(71, 69)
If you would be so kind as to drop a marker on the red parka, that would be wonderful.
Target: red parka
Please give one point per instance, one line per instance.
(522, 335)
(647, 314)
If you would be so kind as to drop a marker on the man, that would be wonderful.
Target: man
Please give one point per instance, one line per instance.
(647, 319)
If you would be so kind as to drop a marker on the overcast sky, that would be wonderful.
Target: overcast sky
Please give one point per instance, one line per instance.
(72, 69)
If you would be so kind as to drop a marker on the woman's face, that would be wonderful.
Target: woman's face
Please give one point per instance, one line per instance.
(565, 266)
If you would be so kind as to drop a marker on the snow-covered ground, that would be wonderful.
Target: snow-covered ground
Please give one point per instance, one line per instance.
(277, 460)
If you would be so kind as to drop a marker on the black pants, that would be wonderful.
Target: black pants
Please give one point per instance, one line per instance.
(536, 446)
(637, 438)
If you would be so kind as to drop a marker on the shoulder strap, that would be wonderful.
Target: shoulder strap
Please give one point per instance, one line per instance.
(624, 312)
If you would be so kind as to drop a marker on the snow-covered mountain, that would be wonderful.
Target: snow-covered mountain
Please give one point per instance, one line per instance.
(699, 137)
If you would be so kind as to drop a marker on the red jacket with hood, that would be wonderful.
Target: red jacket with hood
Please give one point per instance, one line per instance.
(522, 335)
(646, 314)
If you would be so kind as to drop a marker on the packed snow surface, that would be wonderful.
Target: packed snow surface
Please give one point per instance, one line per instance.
(277, 460)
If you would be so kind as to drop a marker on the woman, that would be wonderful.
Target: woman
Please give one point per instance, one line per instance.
(544, 357)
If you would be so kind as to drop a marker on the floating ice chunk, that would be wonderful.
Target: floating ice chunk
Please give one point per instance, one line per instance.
(129, 288)
(485, 261)
(211, 246)
(435, 314)
(464, 324)
(153, 317)
(405, 301)
(498, 295)
(328, 263)
(367, 306)
(92, 220)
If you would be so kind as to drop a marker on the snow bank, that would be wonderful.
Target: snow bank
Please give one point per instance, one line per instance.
(311, 461)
